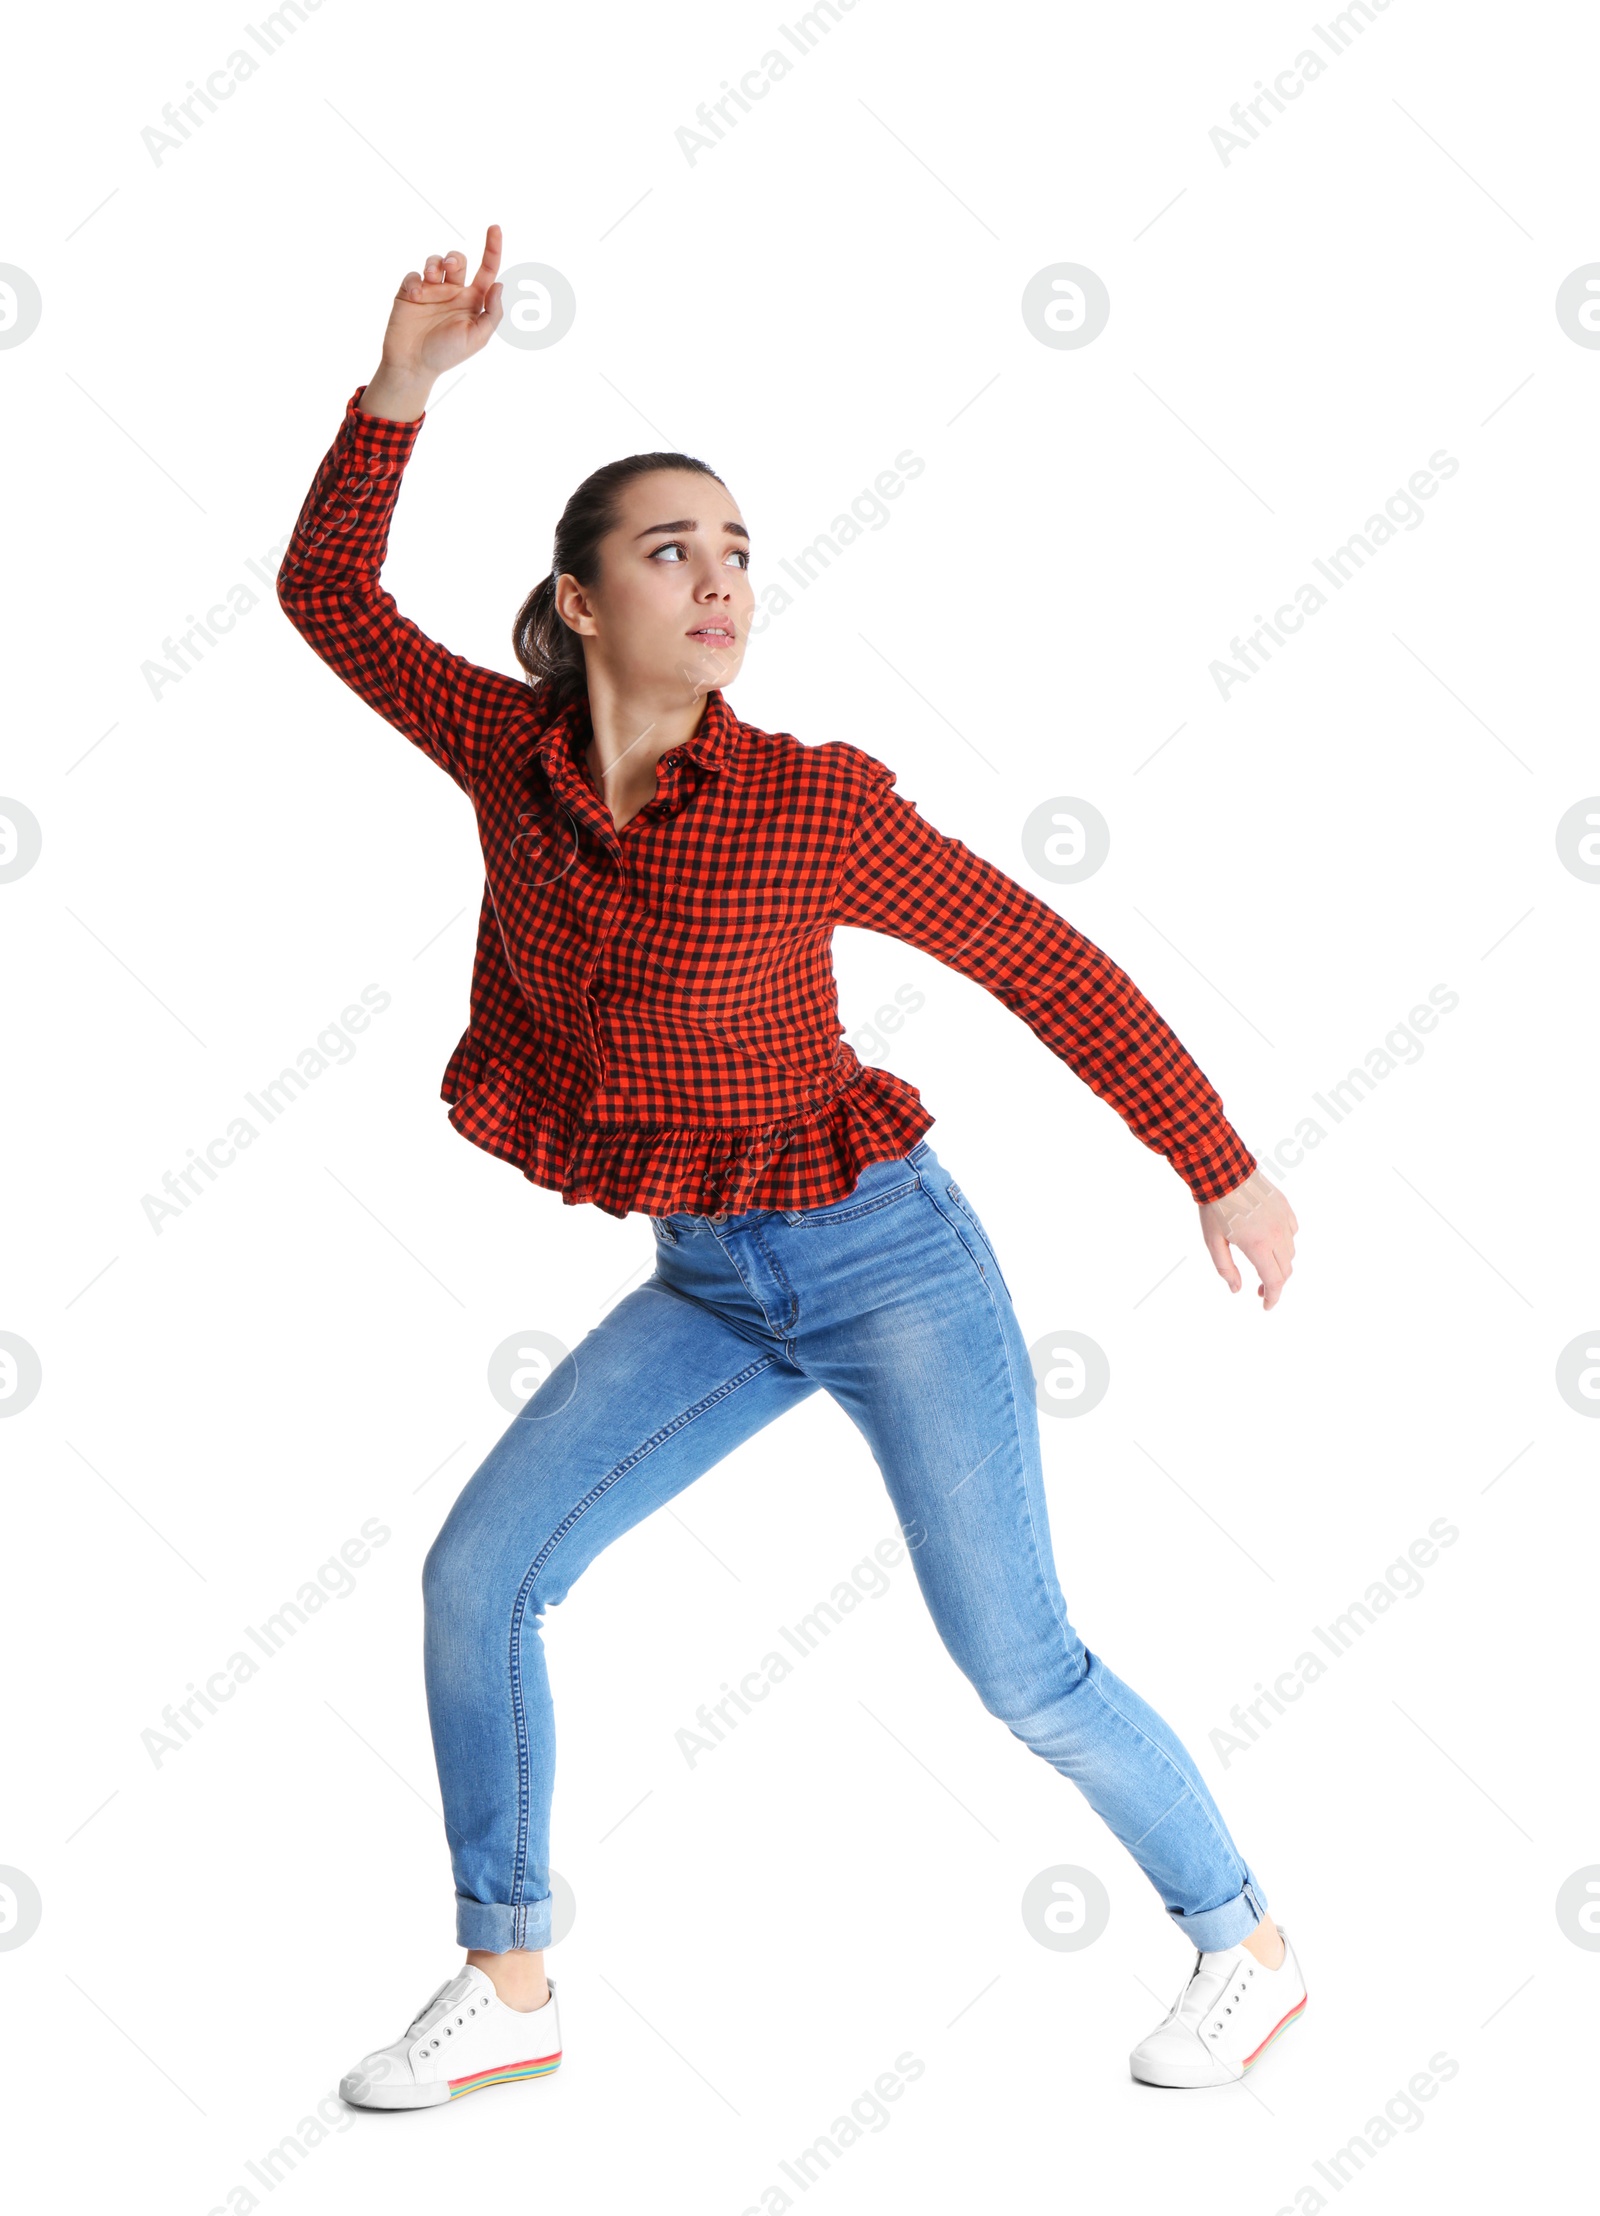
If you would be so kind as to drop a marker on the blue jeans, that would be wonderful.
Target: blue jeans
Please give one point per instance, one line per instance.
(893, 1301)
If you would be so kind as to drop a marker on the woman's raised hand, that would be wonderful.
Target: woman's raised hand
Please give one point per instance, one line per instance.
(438, 319)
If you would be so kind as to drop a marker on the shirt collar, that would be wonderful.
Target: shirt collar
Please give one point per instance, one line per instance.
(562, 746)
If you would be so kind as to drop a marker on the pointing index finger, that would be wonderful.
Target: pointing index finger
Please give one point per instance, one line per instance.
(488, 268)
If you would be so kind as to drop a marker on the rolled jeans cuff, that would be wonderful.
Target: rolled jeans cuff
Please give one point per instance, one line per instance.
(493, 1927)
(1215, 1928)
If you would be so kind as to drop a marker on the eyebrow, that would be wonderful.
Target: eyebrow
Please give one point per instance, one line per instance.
(687, 523)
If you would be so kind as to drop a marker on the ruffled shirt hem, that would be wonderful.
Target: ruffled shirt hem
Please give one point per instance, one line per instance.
(626, 1169)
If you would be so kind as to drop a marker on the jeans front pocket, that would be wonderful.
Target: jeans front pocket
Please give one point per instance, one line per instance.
(954, 1192)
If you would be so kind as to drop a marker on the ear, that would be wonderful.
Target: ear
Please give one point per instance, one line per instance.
(573, 606)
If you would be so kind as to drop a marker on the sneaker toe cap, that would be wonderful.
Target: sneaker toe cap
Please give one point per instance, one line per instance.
(1172, 2056)
(384, 2079)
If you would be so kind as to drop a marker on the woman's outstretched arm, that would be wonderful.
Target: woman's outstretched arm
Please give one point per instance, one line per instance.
(914, 883)
(328, 582)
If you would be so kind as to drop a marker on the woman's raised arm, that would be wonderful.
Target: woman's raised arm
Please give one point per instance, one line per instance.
(328, 582)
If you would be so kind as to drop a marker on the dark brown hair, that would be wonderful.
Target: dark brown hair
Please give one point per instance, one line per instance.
(544, 646)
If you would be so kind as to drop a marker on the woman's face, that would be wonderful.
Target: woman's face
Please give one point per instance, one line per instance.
(672, 605)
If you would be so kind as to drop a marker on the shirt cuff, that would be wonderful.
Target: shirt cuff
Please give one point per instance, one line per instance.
(382, 434)
(1222, 1172)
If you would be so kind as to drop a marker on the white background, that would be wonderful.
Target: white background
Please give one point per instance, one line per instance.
(224, 1402)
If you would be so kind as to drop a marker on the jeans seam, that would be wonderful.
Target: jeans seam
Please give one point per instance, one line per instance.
(734, 1263)
(1188, 1785)
(787, 1330)
(802, 1219)
(958, 1200)
(1060, 1618)
(942, 1208)
(519, 1607)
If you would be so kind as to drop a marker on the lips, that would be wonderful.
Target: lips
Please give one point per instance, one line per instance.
(719, 634)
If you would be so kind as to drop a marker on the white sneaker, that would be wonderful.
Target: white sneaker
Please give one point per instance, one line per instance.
(462, 2038)
(1229, 2012)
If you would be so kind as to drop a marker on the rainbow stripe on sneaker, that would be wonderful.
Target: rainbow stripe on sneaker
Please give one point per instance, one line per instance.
(1277, 2027)
(507, 2073)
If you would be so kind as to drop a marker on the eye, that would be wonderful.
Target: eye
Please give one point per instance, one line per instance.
(741, 555)
(670, 546)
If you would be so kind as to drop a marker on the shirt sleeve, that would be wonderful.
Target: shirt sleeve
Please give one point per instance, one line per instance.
(902, 877)
(328, 588)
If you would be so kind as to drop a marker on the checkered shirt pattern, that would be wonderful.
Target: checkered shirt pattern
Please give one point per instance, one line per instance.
(654, 1021)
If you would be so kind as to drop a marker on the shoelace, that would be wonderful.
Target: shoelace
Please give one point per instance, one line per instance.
(436, 1994)
(1205, 1988)
(420, 2024)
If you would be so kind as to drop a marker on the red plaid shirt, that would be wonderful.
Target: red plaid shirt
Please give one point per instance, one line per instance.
(654, 1018)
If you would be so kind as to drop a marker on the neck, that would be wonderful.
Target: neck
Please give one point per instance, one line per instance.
(634, 726)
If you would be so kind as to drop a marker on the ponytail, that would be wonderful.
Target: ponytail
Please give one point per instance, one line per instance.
(547, 650)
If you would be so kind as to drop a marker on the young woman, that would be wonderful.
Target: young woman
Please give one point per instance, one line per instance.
(654, 1029)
